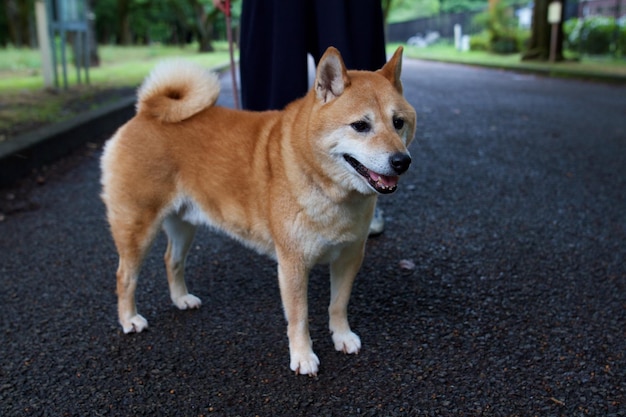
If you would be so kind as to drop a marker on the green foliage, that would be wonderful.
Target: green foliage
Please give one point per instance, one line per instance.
(153, 21)
(163, 21)
(501, 30)
(19, 59)
(404, 10)
(523, 39)
(480, 41)
(596, 35)
(121, 65)
(458, 6)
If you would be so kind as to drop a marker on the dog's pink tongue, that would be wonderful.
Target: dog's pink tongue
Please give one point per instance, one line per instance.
(383, 179)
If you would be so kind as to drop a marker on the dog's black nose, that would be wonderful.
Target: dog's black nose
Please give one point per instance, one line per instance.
(400, 162)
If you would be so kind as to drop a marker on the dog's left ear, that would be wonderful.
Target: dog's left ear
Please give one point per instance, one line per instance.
(392, 69)
(331, 77)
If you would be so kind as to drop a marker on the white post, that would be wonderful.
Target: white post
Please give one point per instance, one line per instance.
(465, 43)
(457, 37)
(43, 37)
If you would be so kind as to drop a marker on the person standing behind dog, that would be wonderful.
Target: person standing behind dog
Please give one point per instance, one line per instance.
(277, 35)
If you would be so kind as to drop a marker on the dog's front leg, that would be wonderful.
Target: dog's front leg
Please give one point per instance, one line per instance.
(293, 277)
(342, 274)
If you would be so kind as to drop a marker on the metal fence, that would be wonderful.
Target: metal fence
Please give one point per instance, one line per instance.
(443, 24)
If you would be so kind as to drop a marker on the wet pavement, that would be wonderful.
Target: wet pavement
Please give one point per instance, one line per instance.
(497, 289)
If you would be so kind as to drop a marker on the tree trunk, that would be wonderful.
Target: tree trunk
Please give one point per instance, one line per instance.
(539, 46)
(204, 26)
(18, 15)
(94, 57)
(124, 36)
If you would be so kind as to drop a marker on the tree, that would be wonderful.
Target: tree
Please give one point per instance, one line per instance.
(20, 21)
(124, 34)
(206, 15)
(197, 18)
(539, 46)
(4, 34)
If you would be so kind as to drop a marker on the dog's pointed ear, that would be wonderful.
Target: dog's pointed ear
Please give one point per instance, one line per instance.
(331, 77)
(392, 69)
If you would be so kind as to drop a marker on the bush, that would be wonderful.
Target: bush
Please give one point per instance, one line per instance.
(570, 41)
(523, 39)
(479, 42)
(504, 44)
(595, 35)
(501, 34)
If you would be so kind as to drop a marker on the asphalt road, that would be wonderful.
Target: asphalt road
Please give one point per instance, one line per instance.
(513, 214)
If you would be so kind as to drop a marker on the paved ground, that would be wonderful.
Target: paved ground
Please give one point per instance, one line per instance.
(514, 214)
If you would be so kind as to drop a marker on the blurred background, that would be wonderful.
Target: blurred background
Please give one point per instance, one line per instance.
(61, 57)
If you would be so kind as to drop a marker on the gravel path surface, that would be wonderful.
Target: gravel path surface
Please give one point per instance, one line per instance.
(497, 289)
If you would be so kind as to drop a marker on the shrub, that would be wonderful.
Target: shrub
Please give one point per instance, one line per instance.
(504, 44)
(479, 42)
(523, 39)
(595, 35)
(500, 29)
(569, 39)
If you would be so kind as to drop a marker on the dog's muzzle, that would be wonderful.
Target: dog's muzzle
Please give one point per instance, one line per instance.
(384, 184)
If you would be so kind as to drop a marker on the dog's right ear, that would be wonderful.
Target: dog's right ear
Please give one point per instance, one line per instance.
(332, 76)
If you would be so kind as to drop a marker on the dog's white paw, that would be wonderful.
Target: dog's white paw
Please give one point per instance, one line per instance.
(186, 302)
(306, 364)
(347, 342)
(134, 324)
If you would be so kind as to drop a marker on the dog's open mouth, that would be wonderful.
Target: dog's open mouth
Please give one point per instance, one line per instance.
(382, 183)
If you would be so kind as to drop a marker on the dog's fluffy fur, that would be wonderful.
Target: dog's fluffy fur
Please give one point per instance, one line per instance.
(299, 185)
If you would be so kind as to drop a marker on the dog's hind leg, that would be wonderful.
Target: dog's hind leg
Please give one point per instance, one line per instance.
(133, 240)
(342, 274)
(179, 237)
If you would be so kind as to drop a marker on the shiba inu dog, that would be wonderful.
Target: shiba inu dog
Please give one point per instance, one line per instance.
(299, 185)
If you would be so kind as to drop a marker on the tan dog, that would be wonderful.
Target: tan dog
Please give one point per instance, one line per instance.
(299, 185)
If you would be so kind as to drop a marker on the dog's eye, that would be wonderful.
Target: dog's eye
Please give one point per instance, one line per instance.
(398, 123)
(361, 126)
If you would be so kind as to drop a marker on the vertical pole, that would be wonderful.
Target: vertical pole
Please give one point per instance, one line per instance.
(555, 15)
(78, 50)
(52, 31)
(62, 30)
(86, 54)
(63, 56)
(555, 33)
(43, 38)
(233, 70)
(617, 30)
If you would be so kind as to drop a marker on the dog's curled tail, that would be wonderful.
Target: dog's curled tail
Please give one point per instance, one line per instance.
(176, 90)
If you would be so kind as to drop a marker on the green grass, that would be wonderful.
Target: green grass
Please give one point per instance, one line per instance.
(586, 66)
(18, 59)
(25, 104)
(20, 69)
